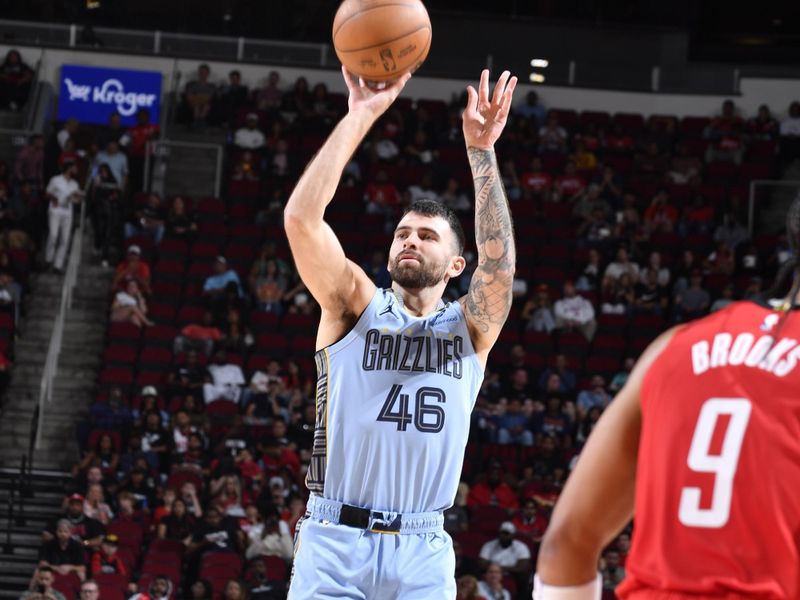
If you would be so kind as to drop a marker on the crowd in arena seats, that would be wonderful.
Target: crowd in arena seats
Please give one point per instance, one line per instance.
(197, 442)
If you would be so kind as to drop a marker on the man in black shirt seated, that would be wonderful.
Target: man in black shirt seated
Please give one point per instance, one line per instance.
(64, 554)
(84, 529)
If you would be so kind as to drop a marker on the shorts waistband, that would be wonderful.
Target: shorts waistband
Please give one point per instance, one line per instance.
(373, 520)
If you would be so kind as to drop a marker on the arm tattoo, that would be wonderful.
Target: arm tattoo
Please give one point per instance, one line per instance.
(489, 297)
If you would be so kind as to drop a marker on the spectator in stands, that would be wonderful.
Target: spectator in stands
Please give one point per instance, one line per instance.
(269, 96)
(178, 525)
(200, 336)
(511, 425)
(135, 143)
(29, 163)
(660, 216)
(271, 538)
(725, 134)
(538, 311)
(62, 191)
(510, 181)
(651, 297)
(129, 306)
(536, 182)
(186, 378)
(566, 376)
(214, 534)
(231, 98)
(42, 586)
(15, 81)
(84, 529)
(532, 110)
(103, 455)
(106, 560)
(596, 395)
(509, 554)
(262, 585)
(622, 265)
(731, 232)
(693, 301)
(382, 197)
(421, 190)
(148, 220)
(763, 126)
(584, 159)
(224, 380)
(724, 300)
(89, 590)
(493, 491)
(298, 100)
(621, 377)
(137, 483)
(95, 506)
(112, 414)
(160, 588)
(570, 183)
(249, 137)
(179, 223)
(552, 137)
(573, 312)
(269, 286)
(117, 162)
(201, 590)
(113, 131)
(216, 286)
(64, 554)
(107, 213)
(467, 588)
(530, 521)
(67, 132)
(612, 571)
(233, 591)
(199, 95)
(149, 404)
(654, 265)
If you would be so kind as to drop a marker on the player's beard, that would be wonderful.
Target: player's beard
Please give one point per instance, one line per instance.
(416, 276)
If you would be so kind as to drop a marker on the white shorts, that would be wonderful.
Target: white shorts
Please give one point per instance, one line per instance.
(332, 562)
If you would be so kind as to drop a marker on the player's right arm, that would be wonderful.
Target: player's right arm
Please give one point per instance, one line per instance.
(597, 501)
(339, 285)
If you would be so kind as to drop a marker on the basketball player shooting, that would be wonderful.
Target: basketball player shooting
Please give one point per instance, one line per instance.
(711, 414)
(398, 369)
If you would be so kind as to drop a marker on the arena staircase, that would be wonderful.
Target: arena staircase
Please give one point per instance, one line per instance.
(78, 365)
(34, 504)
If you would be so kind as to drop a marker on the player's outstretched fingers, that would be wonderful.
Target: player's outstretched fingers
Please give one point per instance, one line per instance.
(483, 88)
(500, 88)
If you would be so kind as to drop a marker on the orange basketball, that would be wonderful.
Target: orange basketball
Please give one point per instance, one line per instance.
(380, 40)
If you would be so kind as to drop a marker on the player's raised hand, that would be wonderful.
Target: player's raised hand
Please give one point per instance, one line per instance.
(484, 117)
(373, 98)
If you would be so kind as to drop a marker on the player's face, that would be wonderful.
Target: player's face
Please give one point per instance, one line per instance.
(423, 252)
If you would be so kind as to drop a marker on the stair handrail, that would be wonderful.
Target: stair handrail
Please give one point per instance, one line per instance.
(54, 349)
(8, 547)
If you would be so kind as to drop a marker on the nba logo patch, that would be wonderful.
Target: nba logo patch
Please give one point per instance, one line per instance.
(769, 322)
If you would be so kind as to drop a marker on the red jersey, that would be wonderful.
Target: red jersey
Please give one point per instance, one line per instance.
(717, 508)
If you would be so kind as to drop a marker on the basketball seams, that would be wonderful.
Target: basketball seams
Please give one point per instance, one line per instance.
(410, 4)
(387, 42)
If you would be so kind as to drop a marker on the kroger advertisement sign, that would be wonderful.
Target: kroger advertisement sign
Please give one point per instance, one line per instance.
(91, 94)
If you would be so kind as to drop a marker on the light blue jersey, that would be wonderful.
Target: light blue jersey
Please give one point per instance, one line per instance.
(394, 398)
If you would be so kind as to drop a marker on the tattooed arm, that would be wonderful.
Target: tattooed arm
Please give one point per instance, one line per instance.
(488, 300)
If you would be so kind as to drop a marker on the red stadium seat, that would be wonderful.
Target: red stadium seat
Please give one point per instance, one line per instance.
(487, 519)
(119, 355)
(96, 434)
(130, 534)
(68, 585)
(116, 376)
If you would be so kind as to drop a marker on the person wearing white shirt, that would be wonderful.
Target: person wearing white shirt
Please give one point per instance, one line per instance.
(491, 588)
(226, 380)
(509, 554)
(622, 265)
(790, 126)
(575, 312)
(62, 192)
(250, 136)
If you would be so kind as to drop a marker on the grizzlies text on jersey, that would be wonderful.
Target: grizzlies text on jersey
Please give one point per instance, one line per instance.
(394, 398)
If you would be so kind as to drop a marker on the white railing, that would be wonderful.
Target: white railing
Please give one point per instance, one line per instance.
(54, 349)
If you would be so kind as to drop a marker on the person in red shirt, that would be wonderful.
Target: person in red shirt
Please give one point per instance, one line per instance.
(701, 444)
(106, 560)
(536, 181)
(660, 216)
(570, 184)
(132, 267)
(493, 491)
(530, 522)
(381, 195)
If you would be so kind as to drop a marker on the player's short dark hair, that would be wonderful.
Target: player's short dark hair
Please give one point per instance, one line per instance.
(431, 208)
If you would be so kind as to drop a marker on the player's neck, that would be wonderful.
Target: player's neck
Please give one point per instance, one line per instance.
(418, 303)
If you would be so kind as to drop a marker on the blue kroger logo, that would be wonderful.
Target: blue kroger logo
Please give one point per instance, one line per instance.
(91, 94)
